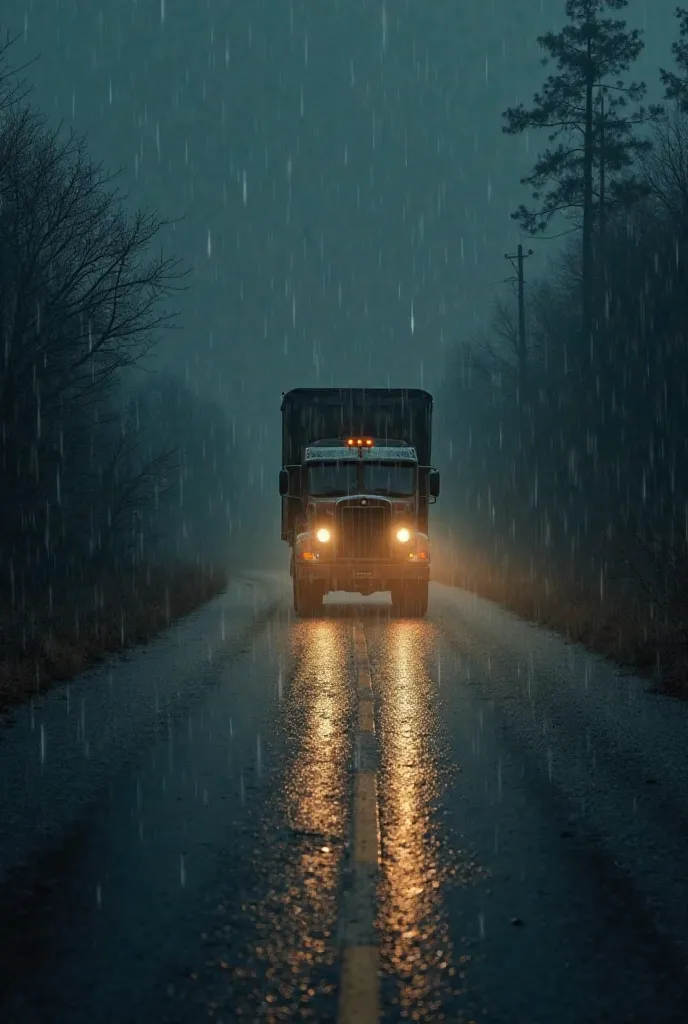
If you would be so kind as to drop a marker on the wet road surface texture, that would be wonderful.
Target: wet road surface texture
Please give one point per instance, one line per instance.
(355, 817)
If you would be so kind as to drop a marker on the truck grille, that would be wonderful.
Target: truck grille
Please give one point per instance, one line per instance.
(363, 531)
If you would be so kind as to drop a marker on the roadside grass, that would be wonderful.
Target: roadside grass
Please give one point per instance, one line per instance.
(618, 622)
(53, 637)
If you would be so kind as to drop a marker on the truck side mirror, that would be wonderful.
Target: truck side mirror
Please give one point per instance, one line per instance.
(434, 483)
(284, 482)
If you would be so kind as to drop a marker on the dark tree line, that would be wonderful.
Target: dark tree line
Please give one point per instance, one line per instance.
(191, 511)
(88, 471)
(587, 473)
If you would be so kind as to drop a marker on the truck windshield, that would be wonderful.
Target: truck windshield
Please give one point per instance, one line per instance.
(389, 478)
(332, 479)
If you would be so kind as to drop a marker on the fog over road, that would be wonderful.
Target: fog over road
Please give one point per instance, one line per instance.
(176, 828)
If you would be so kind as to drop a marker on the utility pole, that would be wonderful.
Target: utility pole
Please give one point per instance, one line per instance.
(522, 345)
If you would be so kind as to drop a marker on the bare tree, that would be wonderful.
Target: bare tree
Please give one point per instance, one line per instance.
(665, 166)
(82, 297)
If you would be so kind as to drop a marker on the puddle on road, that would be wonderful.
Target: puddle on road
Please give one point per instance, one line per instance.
(273, 947)
(423, 972)
(300, 941)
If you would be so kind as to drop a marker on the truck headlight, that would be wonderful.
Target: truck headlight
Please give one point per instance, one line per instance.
(403, 535)
(323, 535)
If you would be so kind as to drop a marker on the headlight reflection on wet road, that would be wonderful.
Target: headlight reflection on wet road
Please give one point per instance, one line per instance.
(300, 948)
(416, 949)
(320, 696)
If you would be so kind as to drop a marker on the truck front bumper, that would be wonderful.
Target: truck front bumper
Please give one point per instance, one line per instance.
(361, 576)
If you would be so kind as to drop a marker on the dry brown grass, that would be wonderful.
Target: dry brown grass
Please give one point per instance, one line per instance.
(619, 623)
(51, 641)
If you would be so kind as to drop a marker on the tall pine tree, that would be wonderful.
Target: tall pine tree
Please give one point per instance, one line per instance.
(676, 84)
(585, 106)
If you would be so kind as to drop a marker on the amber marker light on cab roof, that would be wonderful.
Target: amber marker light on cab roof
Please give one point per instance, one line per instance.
(359, 441)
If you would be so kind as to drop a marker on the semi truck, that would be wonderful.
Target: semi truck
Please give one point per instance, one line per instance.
(356, 484)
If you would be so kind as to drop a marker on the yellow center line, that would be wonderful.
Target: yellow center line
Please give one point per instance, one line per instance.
(364, 680)
(360, 989)
(365, 819)
(366, 720)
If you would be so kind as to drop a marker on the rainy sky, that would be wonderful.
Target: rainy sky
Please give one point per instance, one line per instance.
(339, 165)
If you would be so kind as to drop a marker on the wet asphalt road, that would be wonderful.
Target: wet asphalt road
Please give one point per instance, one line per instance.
(176, 828)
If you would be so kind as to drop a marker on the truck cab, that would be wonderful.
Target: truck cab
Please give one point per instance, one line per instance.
(355, 514)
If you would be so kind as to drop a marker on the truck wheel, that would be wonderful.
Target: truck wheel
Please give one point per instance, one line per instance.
(307, 598)
(410, 600)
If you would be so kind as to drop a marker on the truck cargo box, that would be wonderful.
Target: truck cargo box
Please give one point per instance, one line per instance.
(310, 414)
